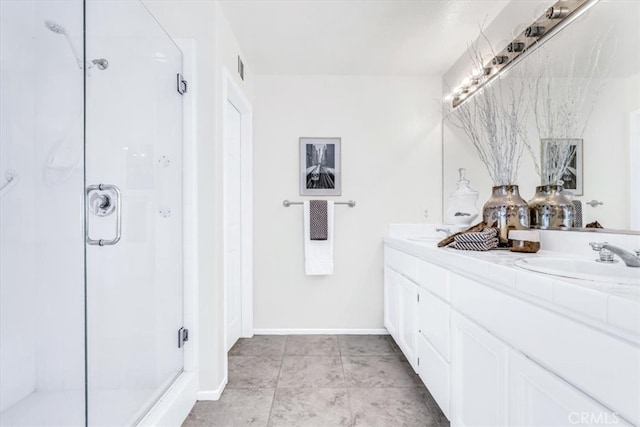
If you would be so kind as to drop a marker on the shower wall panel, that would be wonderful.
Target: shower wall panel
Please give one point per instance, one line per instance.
(41, 245)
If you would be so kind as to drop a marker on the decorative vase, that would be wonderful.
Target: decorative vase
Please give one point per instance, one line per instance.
(506, 210)
(551, 208)
(462, 208)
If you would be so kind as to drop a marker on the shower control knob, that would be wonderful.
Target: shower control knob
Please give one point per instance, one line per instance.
(101, 204)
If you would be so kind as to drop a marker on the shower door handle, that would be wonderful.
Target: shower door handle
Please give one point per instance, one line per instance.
(103, 205)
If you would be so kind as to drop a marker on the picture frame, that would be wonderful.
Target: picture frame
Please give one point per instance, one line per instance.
(320, 166)
(574, 174)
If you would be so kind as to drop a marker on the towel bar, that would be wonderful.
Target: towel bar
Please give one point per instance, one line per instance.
(350, 203)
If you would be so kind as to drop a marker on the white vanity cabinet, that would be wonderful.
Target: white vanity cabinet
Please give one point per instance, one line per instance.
(400, 298)
(408, 295)
(418, 319)
(391, 304)
(491, 357)
(400, 301)
(479, 376)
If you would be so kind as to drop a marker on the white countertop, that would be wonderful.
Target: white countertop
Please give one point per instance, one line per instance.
(613, 307)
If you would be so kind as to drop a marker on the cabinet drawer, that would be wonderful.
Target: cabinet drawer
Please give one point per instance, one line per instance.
(604, 367)
(403, 263)
(434, 373)
(433, 321)
(434, 279)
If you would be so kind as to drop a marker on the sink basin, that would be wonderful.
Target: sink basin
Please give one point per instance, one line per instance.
(582, 269)
(426, 238)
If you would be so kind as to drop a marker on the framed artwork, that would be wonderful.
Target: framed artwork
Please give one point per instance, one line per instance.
(573, 174)
(320, 173)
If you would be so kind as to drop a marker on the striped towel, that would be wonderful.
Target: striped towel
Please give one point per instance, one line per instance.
(577, 220)
(476, 246)
(477, 236)
(477, 241)
(318, 229)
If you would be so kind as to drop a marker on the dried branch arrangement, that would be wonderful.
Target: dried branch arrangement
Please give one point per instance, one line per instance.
(494, 119)
(565, 95)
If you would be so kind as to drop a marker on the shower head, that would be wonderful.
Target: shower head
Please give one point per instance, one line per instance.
(59, 29)
(101, 63)
(56, 28)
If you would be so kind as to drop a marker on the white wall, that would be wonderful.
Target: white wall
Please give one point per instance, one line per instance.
(204, 22)
(391, 163)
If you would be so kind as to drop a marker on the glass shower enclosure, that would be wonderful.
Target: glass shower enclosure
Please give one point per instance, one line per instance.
(91, 265)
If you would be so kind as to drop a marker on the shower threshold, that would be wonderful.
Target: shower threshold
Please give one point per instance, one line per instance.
(66, 408)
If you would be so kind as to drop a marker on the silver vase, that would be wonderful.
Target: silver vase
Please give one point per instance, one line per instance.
(551, 208)
(506, 210)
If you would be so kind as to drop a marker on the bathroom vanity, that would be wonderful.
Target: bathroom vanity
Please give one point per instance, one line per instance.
(496, 344)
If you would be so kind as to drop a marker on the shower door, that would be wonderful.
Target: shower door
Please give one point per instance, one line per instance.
(133, 168)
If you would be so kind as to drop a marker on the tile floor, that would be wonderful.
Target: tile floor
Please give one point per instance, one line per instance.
(319, 381)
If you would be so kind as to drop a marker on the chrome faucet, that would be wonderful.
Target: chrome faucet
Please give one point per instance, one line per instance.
(606, 252)
(446, 231)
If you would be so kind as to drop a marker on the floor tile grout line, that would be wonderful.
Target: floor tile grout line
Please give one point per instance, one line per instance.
(275, 390)
(352, 420)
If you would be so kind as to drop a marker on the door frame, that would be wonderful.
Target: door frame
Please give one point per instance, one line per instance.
(232, 93)
(634, 170)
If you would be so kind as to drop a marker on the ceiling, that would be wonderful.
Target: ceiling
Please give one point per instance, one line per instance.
(356, 37)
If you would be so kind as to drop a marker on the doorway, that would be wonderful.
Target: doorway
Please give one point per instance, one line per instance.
(634, 169)
(237, 212)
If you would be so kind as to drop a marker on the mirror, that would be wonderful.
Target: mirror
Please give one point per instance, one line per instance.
(606, 170)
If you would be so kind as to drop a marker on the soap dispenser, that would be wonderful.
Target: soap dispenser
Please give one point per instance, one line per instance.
(462, 203)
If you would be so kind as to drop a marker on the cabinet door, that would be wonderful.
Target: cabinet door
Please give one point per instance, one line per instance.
(434, 373)
(433, 321)
(391, 302)
(407, 319)
(479, 376)
(539, 398)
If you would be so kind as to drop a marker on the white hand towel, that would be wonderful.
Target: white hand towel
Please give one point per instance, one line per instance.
(318, 254)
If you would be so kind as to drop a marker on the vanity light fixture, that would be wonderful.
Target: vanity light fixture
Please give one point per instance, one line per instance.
(500, 59)
(556, 12)
(534, 31)
(515, 47)
(550, 22)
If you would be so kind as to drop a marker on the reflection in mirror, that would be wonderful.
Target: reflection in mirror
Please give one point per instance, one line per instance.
(585, 116)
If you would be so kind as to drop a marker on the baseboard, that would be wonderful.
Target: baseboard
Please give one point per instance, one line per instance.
(213, 394)
(174, 406)
(381, 331)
